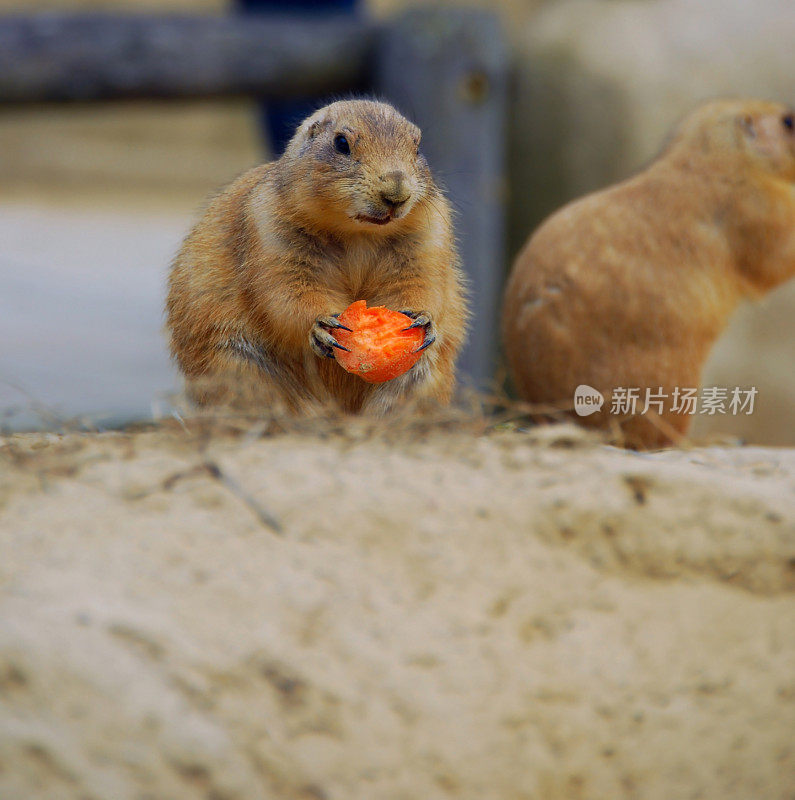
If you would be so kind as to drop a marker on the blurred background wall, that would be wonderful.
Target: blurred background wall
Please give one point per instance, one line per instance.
(597, 85)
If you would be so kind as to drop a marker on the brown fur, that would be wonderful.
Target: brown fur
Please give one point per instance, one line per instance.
(281, 246)
(631, 286)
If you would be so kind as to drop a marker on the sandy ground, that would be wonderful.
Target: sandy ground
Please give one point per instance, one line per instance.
(448, 612)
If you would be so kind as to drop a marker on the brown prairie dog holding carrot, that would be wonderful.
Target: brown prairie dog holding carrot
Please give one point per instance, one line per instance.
(631, 286)
(349, 212)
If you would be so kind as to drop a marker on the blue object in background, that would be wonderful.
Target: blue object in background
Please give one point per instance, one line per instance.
(280, 118)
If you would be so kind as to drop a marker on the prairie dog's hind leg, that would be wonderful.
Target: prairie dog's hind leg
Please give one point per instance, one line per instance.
(243, 374)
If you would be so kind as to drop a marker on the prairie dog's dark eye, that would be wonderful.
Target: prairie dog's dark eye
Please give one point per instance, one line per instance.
(788, 121)
(341, 145)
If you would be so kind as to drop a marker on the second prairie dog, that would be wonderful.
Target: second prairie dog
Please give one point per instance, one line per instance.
(631, 286)
(349, 212)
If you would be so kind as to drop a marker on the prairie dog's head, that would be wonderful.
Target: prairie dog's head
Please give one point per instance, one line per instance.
(355, 166)
(752, 132)
(745, 149)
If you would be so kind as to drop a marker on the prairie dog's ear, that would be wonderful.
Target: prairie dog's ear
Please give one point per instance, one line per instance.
(416, 135)
(747, 126)
(304, 134)
(315, 126)
(766, 137)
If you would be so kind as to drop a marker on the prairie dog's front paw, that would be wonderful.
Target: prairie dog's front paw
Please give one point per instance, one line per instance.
(320, 338)
(422, 319)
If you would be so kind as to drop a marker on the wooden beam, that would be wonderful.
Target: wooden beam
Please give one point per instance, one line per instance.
(77, 57)
(447, 69)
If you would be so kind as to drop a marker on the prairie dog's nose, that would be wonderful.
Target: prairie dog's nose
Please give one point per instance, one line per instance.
(394, 191)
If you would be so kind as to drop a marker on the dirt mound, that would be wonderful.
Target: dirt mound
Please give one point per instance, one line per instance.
(512, 615)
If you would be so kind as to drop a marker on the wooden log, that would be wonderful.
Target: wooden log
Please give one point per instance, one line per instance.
(59, 57)
(447, 69)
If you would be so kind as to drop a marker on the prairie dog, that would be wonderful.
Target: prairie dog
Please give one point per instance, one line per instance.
(631, 286)
(349, 212)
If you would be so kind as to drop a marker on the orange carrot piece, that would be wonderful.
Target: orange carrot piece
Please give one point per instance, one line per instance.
(380, 348)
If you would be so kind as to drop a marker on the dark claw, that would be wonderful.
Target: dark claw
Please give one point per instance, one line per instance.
(337, 326)
(321, 349)
(417, 324)
(429, 340)
(421, 320)
(331, 321)
(323, 343)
